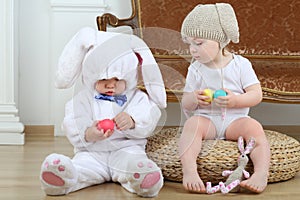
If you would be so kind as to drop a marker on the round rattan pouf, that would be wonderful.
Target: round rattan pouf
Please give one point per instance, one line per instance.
(219, 155)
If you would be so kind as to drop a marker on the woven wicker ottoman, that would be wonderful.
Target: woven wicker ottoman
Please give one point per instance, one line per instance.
(162, 148)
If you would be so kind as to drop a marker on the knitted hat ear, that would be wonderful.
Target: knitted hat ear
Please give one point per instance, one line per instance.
(70, 61)
(213, 22)
(203, 22)
(151, 74)
(228, 22)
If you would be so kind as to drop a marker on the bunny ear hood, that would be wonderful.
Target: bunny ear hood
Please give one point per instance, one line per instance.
(111, 58)
(101, 55)
(120, 56)
(151, 74)
(69, 63)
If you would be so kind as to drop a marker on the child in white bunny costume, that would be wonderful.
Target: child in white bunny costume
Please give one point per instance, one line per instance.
(117, 155)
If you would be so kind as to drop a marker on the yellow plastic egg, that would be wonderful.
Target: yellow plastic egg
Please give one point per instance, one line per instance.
(209, 93)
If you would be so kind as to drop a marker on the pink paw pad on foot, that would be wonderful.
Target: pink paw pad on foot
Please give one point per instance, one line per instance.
(150, 180)
(50, 177)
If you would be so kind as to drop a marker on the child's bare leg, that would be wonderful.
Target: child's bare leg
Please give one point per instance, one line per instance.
(195, 129)
(260, 155)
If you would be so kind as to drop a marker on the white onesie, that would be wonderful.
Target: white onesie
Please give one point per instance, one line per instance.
(236, 76)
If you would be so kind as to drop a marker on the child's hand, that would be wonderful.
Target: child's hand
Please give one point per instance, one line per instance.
(93, 134)
(201, 98)
(124, 121)
(228, 101)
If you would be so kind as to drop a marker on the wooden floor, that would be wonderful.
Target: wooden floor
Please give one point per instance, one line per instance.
(20, 166)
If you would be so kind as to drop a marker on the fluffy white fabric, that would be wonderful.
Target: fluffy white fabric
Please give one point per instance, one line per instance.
(101, 55)
(69, 64)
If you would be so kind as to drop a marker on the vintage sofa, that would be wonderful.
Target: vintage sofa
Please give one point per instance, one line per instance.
(269, 38)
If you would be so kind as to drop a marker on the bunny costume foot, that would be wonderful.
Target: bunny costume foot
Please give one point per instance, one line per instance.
(142, 177)
(150, 179)
(57, 174)
(143, 182)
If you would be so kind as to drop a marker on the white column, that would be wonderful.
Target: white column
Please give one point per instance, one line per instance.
(11, 129)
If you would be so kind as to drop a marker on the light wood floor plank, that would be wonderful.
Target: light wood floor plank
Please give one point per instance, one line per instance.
(20, 167)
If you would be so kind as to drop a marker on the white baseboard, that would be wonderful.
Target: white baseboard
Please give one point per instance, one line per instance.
(12, 138)
(12, 133)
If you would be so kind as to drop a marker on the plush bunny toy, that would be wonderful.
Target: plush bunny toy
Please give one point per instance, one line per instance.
(98, 56)
(236, 176)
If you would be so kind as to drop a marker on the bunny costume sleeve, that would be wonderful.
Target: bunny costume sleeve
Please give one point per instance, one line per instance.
(145, 114)
(80, 115)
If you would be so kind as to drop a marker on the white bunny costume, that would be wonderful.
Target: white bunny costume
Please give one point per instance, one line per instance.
(121, 157)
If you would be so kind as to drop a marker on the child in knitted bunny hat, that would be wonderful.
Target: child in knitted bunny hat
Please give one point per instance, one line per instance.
(109, 65)
(222, 114)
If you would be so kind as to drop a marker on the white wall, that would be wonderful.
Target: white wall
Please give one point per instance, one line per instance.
(44, 28)
(34, 76)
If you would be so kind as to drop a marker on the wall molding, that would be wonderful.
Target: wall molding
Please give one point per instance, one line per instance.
(78, 6)
(11, 129)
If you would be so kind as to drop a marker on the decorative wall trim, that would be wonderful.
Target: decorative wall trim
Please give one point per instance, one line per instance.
(78, 6)
(11, 129)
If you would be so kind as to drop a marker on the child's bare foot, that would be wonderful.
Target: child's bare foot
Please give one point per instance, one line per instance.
(193, 183)
(256, 183)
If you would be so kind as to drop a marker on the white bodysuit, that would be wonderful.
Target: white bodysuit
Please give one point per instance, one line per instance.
(236, 76)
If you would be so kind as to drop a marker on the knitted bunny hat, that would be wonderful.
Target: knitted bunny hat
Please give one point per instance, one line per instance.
(101, 55)
(213, 22)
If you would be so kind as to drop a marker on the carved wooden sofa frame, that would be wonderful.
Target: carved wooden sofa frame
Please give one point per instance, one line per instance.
(269, 39)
